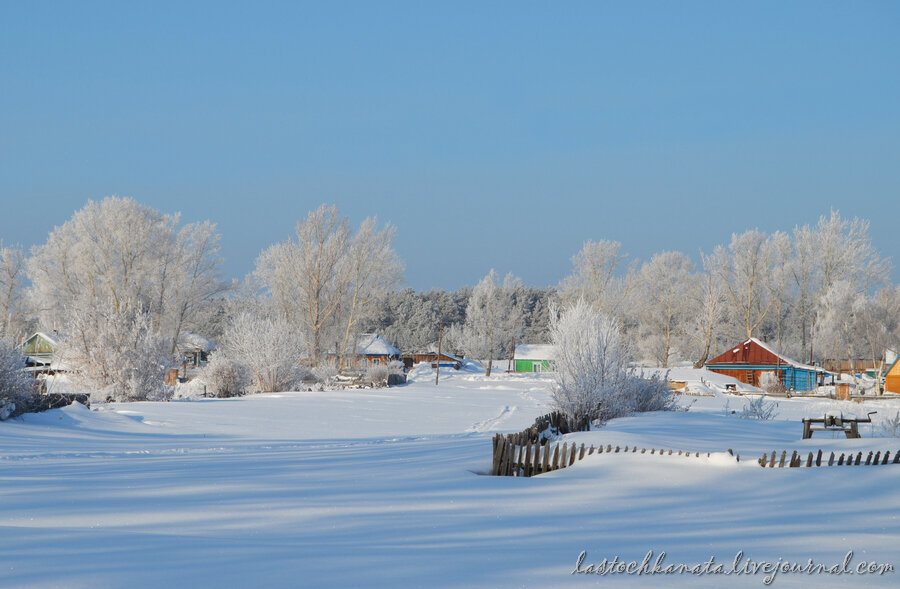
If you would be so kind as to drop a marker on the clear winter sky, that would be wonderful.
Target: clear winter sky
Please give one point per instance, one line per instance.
(496, 135)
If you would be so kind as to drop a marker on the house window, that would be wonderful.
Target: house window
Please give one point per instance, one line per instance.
(376, 360)
(535, 366)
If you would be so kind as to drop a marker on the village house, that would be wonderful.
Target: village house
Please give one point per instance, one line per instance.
(755, 363)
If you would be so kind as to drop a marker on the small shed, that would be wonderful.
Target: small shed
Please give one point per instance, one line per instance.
(755, 363)
(534, 358)
(39, 350)
(892, 378)
(194, 348)
(375, 350)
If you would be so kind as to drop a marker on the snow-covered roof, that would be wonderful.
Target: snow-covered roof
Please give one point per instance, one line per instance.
(535, 352)
(191, 341)
(786, 360)
(372, 344)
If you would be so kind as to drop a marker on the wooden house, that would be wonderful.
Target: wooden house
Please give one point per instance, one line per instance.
(756, 364)
(892, 378)
(534, 358)
(373, 348)
(446, 360)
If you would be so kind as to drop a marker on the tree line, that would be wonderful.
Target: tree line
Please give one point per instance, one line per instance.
(123, 283)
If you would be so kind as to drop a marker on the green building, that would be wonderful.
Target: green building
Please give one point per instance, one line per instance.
(534, 358)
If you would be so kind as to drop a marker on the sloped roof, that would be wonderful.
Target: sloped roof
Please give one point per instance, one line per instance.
(725, 358)
(372, 344)
(535, 352)
(191, 341)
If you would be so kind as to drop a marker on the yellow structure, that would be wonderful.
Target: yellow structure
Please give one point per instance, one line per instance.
(892, 378)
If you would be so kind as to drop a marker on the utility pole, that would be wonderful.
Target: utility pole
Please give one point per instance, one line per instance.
(437, 373)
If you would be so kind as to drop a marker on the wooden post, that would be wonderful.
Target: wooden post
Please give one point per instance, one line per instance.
(772, 463)
(809, 460)
(572, 452)
(527, 470)
(841, 460)
(795, 460)
(831, 459)
(437, 363)
(564, 456)
(536, 468)
(886, 456)
(819, 458)
(858, 458)
(869, 458)
(581, 453)
(555, 464)
(896, 458)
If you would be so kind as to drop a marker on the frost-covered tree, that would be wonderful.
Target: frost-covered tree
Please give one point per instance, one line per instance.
(492, 319)
(373, 268)
(271, 348)
(326, 280)
(743, 269)
(16, 386)
(597, 277)
(836, 322)
(12, 272)
(593, 380)
(116, 356)
(118, 257)
(663, 301)
(306, 276)
(708, 300)
(190, 280)
(780, 291)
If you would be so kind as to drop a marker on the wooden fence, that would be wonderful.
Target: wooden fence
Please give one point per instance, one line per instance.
(516, 456)
(848, 459)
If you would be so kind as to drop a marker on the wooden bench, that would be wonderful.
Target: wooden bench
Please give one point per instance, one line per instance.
(834, 423)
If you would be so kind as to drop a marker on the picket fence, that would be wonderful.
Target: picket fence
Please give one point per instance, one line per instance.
(517, 456)
(848, 459)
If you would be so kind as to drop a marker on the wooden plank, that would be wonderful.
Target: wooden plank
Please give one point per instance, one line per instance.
(886, 456)
(581, 453)
(809, 460)
(527, 469)
(841, 460)
(819, 458)
(564, 455)
(783, 456)
(545, 465)
(831, 459)
(572, 452)
(772, 462)
(858, 458)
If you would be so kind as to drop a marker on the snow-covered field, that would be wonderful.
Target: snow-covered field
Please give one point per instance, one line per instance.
(378, 488)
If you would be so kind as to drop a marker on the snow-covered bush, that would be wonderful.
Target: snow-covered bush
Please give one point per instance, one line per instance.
(396, 367)
(593, 380)
(760, 409)
(890, 426)
(116, 357)
(272, 349)
(16, 387)
(377, 374)
(224, 377)
(325, 371)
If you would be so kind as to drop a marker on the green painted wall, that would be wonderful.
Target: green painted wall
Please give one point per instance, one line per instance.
(528, 365)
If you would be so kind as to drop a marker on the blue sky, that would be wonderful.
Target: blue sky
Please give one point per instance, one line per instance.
(493, 135)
